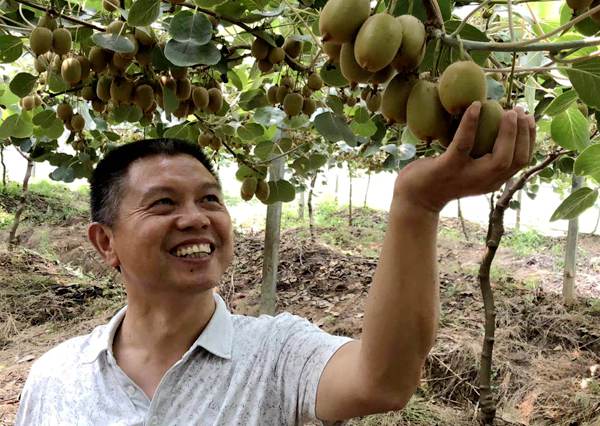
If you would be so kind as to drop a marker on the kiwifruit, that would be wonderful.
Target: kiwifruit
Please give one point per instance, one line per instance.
(121, 90)
(204, 140)
(426, 117)
(136, 46)
(306, 91)
(179, 72)
(215, 143)
(56, 64)
(77, 123)
(145, 36)
(377, 42)
(248, 188)
(182, 110)
(116, 27)
(64, 111)
(292, 104)
(365, 93)
(308, 106)
(461, 84)
(332, 50)
(200, 98)
(183, 90)
(412, 48)
(594, 16)
(287, 81)
(143, 96)
(262, 190)
(27, 103)
(579, 5)
(85, 66)
(272, 94)
(382, 76)
(88, 93)
(264, 65)
(47, 21)
(351, 101)
(103, 88)
(341, 19)
(350, 69)
(487, 128)
(276, 55)
(110, 5)
(98, 105)
(292, 47)
(144, 56)
(37, 100)
(119, 63)
(98, 59)
(315, 82)
(70, 70)
(260, 48)
(215, 100)
(40, 40)
(395, 97)
(168, 82)
(61, 41)
(282, 92)
(374, 102)
(40, 65)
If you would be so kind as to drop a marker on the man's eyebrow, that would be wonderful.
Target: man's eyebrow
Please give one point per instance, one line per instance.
(155, 190)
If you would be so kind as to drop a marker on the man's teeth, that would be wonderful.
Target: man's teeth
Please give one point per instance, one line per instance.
(196, 250)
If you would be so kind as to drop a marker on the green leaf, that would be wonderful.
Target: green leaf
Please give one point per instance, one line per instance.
(45, 118)
(269, 116)
(575, 204)
(317, 160)
(55, 130)
(63, 173)
(253, 99)
(332, 75)
(250, 131)
(16, 126)
(170, 101)
(22, 84)
(361, 115)
(366, 129)
(56, 83)
(335, 103)
(191, 27)
(264, 149)
(209, 3)
(588, 162)
(11, 48)
(281, 190)
(181, 131)
(143, 12)
(235, 80)
(113, 42)
(561, 103)
(334, 128)
(185, 54)
(159, 60)
(569, 129)
(585, 77)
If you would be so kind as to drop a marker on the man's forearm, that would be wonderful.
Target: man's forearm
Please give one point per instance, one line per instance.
(403, 303)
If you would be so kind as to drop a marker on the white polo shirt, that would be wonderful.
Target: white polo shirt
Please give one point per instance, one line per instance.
(241, 370)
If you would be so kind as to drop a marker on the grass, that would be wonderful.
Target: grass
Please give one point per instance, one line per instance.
(525, 243)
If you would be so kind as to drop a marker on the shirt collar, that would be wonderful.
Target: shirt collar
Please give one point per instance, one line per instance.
(217, 336)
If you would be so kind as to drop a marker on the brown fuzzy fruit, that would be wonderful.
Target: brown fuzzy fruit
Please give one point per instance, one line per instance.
(121, 91)
(426, 117)
(395, 97)
(70, 70)
(88, 93)
(374, 102)
(98, 105)
(40, 40)
(382, 76)
(292, 47)
(145, 37)
(47, 21)
(315, 82)
(579, 5)
(306, 91)
(27, 103)
(332, 50)
(351, 101)
(412, 48)
(200, 98)
(287, 81)
(116, 27)
(272, 94)
(144, 96)
(86, 66)
(264, 65)
(282, 92)
(119, 63)
(40, 65)
(179, 73)
(182, 110)
(248, 188)
(64, 112)
(350, 69)
(309, 106)
(377, 42)
(103, 88)
(77, 123)
(262, 190)
(341, 19)
(276, 55)
(183, 90)
(260, 48)
(61, 41)
(292, 104)
(37, 100)
(461, 84)
(215, 100)
(56, 63)
(144, 56)
(204, 140)
(110, 5)
(487, 128)
(215, 143)
(98, 59)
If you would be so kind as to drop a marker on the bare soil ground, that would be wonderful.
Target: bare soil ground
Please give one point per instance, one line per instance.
(546, 358)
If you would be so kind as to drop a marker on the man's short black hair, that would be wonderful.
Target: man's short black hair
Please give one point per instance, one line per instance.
(108, 178)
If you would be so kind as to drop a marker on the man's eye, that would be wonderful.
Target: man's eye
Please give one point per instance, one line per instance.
(211, 197)
(164, 201)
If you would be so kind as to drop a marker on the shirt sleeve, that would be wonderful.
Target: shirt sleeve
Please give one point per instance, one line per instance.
(305, 351)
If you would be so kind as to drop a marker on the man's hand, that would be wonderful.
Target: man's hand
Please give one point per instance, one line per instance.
(430, 183)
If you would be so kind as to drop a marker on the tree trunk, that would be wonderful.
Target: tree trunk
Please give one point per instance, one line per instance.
(367, 190)
(268, 294)
(3, 165)
(568, 290)
(518, 211)
(309, 205)
(350, 197)
(462, 220)
(301, 203)
(12, 239)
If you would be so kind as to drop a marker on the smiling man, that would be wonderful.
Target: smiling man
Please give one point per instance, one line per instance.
(176, 355)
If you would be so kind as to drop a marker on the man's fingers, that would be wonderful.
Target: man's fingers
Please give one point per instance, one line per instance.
(464, 137)
(504, 147)
(532, 137)
(521, 154)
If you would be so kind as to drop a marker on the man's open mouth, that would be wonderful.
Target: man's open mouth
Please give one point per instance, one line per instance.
(193, 251)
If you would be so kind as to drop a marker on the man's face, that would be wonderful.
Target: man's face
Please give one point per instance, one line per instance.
(172, 212)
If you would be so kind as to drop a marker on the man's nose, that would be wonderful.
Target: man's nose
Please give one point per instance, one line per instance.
(192, 215)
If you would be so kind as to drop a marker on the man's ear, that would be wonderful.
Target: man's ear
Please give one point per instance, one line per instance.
(102, 238)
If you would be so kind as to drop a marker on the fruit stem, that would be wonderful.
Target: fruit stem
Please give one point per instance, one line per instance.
(464, 21)
(511, 81)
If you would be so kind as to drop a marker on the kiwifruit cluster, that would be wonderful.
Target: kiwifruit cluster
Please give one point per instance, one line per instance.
(266, 55)
(254, 187)
(30, 102)
(292, 101)
(72, 121)
(208, 139)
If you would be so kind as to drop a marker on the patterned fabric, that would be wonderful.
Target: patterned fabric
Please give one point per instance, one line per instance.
(241, 370)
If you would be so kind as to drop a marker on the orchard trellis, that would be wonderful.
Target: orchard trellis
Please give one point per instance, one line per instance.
(263, 81)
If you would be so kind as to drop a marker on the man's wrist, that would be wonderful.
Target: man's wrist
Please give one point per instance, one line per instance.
(405, 208)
